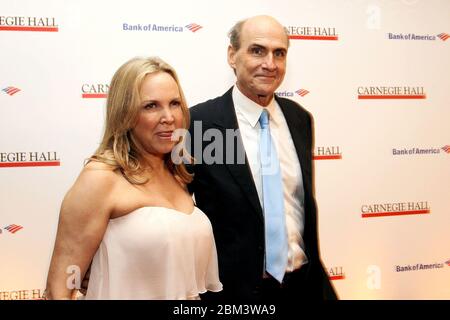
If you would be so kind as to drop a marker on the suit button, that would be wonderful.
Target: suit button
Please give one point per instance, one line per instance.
(260, 248)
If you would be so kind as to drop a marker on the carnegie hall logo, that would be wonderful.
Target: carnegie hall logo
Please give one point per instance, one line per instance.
(421, 266)
(388, 92)
(327, 153)
(169, 28)
(94, 91)
(417, 37)
(30, 294)
(420, 151)
(21, 23)
(29, 159)
(312, 33)
(336, 273)
(290, 94)
(394, 209)
(10, 90)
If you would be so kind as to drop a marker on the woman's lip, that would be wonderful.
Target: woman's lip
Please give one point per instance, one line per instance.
(165, 134)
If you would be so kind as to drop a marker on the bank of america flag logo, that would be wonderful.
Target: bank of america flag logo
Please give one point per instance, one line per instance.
(10, 90)
(13, 228)
(443, 36)
(446, 148)
(194, 27)
(302, 92)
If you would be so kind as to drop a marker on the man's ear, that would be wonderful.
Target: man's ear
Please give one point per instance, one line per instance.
(231, 55)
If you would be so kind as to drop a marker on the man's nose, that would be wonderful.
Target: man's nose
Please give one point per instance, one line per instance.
(269, 62)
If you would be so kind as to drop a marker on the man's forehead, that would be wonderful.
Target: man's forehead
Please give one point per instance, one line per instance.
(264, 37)
(264, 27)
(270, 43)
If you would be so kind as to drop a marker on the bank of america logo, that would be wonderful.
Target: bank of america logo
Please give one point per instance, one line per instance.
(302, 92)
(13, 228)
(443, 36)
(446, 148)
(194, 27)
(10, 90)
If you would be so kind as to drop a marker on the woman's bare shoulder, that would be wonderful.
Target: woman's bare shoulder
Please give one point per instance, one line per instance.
(96, 182)
(98, 165)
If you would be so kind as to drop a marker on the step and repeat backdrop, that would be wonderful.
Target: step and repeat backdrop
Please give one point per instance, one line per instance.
(374, 74)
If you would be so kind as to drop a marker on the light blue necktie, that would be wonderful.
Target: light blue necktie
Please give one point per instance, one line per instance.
(273, 202)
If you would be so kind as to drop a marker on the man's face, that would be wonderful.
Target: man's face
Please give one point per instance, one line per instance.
(260, 62)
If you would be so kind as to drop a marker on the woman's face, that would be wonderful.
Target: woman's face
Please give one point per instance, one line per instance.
(160, 113)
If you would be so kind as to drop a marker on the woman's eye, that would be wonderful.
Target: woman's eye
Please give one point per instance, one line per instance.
(176, 103)
(150, 106)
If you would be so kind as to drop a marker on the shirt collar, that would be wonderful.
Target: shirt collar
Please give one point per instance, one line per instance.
(250, 109)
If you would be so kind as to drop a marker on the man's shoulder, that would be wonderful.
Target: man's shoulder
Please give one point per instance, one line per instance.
(206, 106)
(293, 106)
(209, 107)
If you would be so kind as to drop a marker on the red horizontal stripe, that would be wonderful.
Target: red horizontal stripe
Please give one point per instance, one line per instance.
(30, 164)
(18, 28)
(94, 95)
(195, 27)
(313, 37)
(418, 96)
(331, 157)
(337, 277)
(397, 213)
(15, 229)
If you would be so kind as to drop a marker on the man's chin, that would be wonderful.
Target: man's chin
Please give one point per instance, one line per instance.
(267, 92)
(267, 88)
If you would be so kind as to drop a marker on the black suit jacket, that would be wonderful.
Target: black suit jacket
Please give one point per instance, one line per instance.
(227, 194)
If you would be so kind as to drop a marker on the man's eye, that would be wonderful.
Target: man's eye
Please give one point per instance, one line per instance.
(257, 51)
(280, 53)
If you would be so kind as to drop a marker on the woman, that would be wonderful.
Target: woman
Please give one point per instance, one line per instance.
(129, 211)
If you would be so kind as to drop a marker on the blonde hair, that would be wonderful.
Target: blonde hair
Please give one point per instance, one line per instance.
(119, 147)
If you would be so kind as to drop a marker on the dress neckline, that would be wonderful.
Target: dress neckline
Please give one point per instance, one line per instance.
(181, 213)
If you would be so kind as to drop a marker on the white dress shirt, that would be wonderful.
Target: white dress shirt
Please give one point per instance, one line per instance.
(248, 113)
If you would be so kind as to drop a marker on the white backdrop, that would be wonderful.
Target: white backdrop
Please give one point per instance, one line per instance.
(346, 48)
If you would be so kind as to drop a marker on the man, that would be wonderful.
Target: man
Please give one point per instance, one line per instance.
(263, 255)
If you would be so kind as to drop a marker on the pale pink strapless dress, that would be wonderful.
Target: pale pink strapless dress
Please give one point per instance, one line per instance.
(155, 253)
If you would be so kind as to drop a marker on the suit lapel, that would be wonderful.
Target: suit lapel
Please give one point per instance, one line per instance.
(296, 127)
(226, 119)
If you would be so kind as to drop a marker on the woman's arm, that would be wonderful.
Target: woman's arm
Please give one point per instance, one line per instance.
(83, 219)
